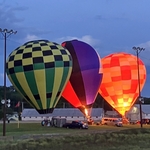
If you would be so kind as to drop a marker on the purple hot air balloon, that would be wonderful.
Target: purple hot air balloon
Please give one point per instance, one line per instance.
(86, 77)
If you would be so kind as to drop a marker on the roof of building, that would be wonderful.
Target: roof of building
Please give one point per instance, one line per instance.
(111, 113)
(69, 112)
(145, 108)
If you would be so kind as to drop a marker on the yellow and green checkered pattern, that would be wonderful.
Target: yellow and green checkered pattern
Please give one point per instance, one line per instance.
(40, 70)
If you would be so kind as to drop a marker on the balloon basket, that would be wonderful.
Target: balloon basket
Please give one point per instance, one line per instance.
(125, 120)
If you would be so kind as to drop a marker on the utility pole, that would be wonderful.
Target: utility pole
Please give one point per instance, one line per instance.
(138, 50)
(6, 33)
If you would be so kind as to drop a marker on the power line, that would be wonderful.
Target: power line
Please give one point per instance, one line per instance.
(6, 33)
(138, 51)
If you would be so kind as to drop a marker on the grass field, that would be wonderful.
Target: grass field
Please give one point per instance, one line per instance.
(32, 136)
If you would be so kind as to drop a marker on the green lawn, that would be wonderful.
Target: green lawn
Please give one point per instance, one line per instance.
(32, 136)
(12, 129)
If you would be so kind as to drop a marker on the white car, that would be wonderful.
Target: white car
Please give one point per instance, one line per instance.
(112, 121)
(13, 117)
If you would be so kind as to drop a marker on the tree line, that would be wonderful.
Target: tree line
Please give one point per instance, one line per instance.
(16, 97)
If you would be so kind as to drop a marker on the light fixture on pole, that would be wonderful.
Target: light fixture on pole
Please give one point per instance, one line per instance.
(6, 33)
(7, 102)
(138, 50)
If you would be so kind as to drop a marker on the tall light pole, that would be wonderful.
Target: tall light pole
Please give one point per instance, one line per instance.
(6, 33)
(138, 50)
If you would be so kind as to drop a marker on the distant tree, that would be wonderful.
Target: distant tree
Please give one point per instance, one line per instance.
(11, 94)
(9, 111)
(146, 100)
(26, 104)
(63, 103)
(100, 102)
(14, 96)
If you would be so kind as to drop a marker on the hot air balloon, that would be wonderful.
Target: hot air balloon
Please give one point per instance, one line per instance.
(39, 70)
(86, 76)
(120, 87)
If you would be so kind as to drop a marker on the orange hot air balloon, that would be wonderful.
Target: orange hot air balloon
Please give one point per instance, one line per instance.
(120, 87)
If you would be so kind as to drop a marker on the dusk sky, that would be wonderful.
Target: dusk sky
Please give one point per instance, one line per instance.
(109, 26)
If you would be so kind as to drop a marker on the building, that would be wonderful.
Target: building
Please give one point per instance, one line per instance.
(113, 114)
(134, 113)
(68, 113)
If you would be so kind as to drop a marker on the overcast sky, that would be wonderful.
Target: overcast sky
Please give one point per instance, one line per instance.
(108, 25)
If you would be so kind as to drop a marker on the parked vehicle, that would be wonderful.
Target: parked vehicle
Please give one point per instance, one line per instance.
(134, 122)
(76, 124)
(13, 117)
(112, 121)
(117, 123)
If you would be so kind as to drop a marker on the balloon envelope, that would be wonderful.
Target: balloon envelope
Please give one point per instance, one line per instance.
(39, 70)
(86, 76)
(120, 87)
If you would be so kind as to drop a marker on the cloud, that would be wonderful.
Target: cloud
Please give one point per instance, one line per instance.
(95, 43)
(86, 38)
(145, 45)
(8, 18)
(30, 37)
(144, 55)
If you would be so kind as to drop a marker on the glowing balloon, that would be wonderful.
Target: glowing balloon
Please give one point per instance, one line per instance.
(86, 76)
(40, 70)
(119, 85)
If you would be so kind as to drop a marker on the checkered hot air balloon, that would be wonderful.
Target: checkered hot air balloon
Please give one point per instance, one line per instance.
(119, 85)
(39, 70)
(86, 76)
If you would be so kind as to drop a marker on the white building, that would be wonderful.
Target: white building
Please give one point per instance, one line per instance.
(134, 113)
(68, 113)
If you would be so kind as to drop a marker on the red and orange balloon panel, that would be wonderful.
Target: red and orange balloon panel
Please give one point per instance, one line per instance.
(120, 87)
